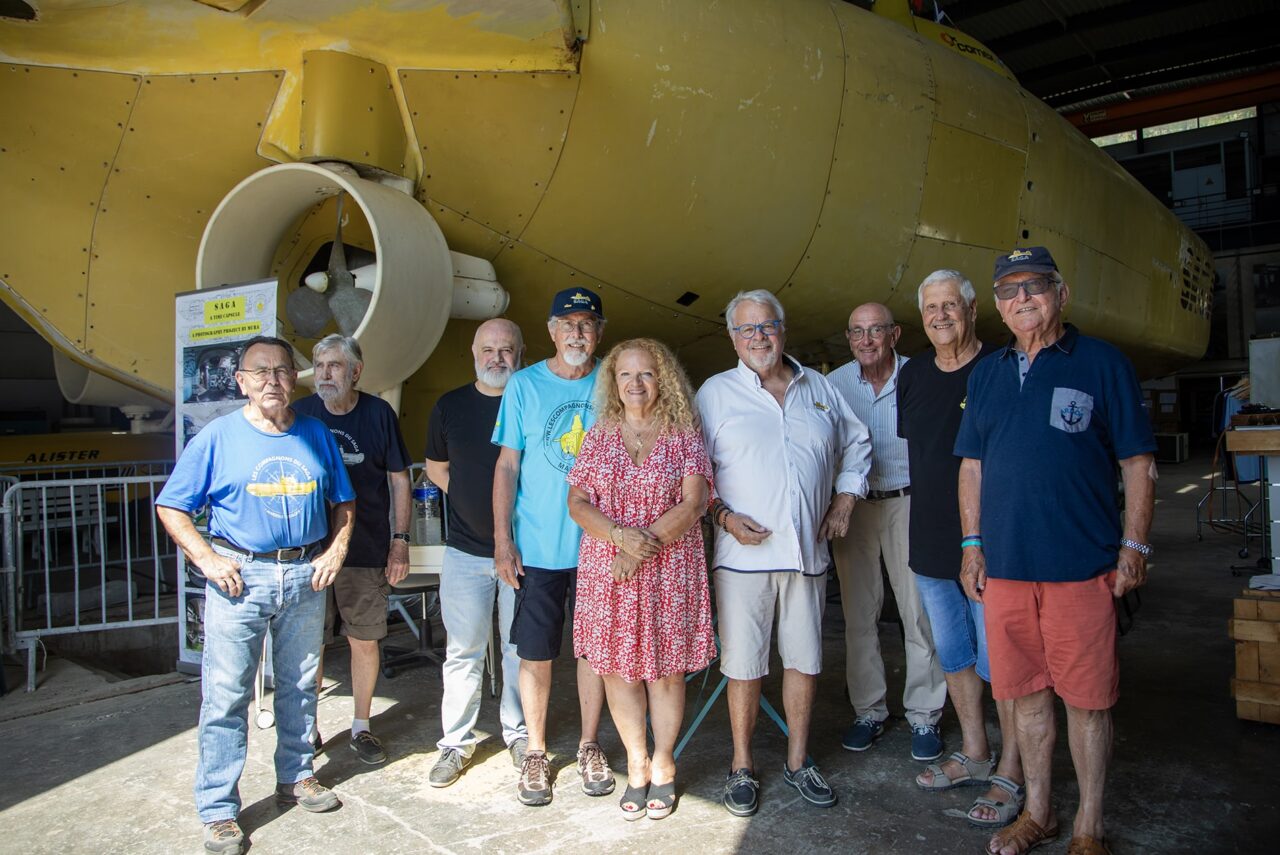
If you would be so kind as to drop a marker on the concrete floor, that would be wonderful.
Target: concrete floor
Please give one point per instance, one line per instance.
(115, 774)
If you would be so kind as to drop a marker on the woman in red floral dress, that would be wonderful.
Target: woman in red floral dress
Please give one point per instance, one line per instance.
(643, 618)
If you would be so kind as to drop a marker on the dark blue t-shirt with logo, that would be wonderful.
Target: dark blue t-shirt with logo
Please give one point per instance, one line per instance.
(371, 445)
(1049, 443)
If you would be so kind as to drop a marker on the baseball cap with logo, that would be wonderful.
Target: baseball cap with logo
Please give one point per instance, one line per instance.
(1032, 259)
(572, 300)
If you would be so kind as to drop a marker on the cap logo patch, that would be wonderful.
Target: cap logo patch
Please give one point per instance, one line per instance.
(1019, 255)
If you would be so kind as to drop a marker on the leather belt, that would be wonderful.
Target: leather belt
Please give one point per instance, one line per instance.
(289, 553)
(877, 495)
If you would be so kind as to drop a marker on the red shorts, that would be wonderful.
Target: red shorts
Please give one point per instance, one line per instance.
(1059, 635)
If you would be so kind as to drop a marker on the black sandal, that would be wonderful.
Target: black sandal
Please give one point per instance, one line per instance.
(637, 798)
(662, 800)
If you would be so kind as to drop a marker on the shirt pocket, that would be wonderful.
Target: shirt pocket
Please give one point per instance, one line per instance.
(1071, 410)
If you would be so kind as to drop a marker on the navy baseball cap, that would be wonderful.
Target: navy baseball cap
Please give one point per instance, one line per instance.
(1032, 259)
(572, 300)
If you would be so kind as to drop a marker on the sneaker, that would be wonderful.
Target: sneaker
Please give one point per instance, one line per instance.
(518, 748)
(223, 837)
(447, 768)
(308, 794)
(864, 731)
(813, 788)
(926, 742)
(593, 766)
(317, 744)
(741, 793)
(368, 748)
(535, 779)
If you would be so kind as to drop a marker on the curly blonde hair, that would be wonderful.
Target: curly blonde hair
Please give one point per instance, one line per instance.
(675, 410)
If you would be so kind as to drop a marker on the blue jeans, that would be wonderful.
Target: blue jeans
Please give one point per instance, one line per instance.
(468, 585)
(959, 631)
(277, 598)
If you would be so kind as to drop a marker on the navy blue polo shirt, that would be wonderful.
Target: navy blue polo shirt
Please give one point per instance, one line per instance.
(1049, 442)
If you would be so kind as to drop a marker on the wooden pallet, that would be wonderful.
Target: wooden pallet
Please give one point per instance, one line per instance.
(1256, 631)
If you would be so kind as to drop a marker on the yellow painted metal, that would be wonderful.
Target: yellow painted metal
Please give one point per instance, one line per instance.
(804, 146)
(157, 201)
(703, 172)
(60, 136)
(473, 164)
(959, 44)
(350, 113)
(228, 5)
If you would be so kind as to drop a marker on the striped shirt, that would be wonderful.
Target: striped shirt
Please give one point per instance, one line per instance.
(879, 412)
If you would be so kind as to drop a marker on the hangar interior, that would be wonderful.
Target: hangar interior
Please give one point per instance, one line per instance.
(1184, 95)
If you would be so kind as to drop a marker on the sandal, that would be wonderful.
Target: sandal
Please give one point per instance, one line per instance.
(1024, 835)
(662, 800)
(1006, 812)
(1086, 845)
(975, 772)
(633, 802)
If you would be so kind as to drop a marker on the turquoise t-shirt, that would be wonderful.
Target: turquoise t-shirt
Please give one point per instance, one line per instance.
(545, 417)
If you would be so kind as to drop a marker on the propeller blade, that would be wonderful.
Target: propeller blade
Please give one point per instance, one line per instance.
(307, 311)
(349, 306)
(339, 274)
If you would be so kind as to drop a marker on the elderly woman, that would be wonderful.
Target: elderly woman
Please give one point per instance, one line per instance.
(643, 620)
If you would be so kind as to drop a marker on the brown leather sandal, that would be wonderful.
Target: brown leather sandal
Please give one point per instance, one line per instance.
(1023, 835)
(1086, 845)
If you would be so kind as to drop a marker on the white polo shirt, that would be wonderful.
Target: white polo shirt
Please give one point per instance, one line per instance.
(779, 465)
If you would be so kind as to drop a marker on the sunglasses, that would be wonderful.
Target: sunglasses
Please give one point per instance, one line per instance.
(1009, 290)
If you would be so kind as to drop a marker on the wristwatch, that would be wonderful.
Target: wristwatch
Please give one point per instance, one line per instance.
(1142, 549)
(401, 535)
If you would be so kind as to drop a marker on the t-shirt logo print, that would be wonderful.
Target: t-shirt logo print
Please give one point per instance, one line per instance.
(563, 434)
(283, 483)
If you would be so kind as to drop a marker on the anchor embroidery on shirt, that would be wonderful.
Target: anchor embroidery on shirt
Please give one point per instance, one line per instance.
(1072, 413)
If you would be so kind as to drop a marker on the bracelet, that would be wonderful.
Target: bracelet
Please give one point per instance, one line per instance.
(971, 540)
(612, 528)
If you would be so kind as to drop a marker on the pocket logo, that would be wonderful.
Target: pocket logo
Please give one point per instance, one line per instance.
(1071, 410)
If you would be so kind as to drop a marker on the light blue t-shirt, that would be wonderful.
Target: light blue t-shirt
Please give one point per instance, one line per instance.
(545, 418)
(265, 491)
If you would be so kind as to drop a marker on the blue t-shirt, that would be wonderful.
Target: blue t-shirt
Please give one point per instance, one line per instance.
(1049, 444)
(369, 440)
(265, 491)
(545, 417)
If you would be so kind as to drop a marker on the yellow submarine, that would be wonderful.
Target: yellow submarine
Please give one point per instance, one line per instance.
(666, 153)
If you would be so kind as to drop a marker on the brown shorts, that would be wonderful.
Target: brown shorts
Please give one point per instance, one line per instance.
(359, 596)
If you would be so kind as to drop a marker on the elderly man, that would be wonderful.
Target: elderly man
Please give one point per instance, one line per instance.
(275, 487)
(931, 398)
(878, 528)
(461, 459)
(545, 413)
(790, 459)
(368, 435)
(1047, 419)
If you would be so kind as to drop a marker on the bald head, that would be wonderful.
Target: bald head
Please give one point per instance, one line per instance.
(498, 349)
(872, 335)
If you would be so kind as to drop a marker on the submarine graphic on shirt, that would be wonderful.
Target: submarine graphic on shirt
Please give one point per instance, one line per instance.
(563, 433)
(284, 484)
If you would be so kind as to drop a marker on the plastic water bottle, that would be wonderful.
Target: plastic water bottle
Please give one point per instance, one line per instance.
(427, 529)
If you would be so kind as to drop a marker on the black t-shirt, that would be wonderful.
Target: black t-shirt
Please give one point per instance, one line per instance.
(930, 404)
(458, 434)
(371, 445)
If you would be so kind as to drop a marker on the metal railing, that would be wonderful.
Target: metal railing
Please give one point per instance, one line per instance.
(82, 555)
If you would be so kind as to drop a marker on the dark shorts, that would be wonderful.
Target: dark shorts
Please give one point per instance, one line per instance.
(358, 595)
(538, 623)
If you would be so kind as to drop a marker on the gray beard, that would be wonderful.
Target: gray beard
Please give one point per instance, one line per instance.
(327, 393)
(495, 378)
(575, 358)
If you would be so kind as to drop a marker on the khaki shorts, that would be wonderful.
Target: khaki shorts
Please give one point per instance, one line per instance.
(359, 596)
(745, 604)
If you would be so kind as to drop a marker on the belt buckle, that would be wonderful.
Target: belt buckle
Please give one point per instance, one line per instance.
(280, 553)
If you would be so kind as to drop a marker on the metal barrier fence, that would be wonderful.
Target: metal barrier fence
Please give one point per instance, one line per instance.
(83, 554)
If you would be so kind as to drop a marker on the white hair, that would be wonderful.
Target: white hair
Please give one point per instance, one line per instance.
(349, 346)
(759, 295)
(937, 277)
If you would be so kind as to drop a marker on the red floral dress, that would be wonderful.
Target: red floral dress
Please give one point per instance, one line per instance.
(658, 623)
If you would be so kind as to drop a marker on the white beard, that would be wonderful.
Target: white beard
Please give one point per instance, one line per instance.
(761, 360)
(575, 358)
(495, 378)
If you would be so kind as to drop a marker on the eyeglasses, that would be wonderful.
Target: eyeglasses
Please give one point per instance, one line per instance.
(768, 328)
(877, 331)
(579, 327)
(262, 375)
(1009, 290)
